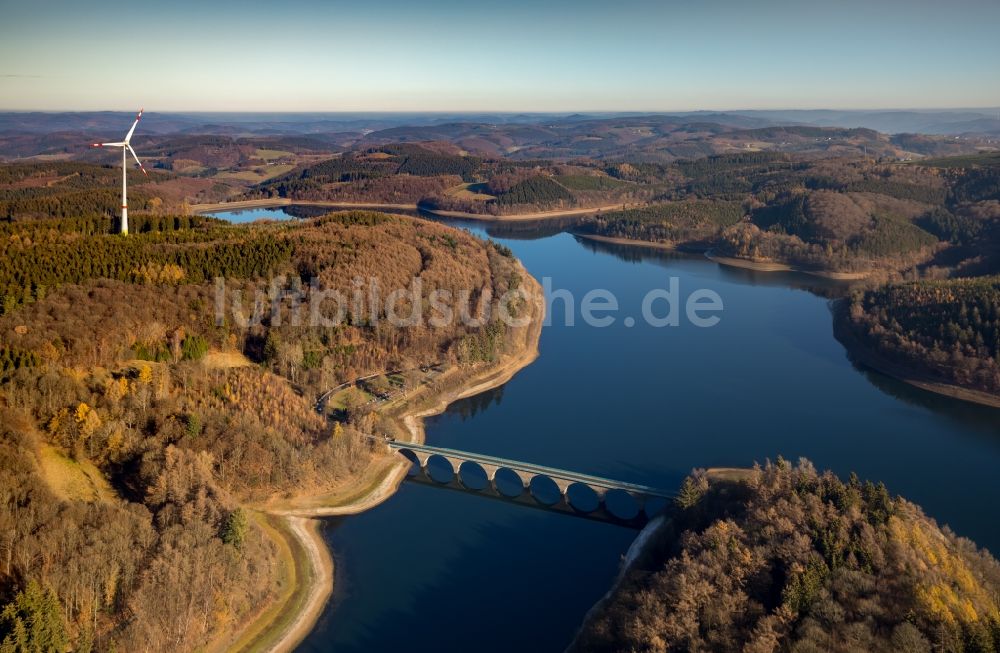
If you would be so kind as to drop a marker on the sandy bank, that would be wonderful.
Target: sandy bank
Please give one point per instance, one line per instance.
(777, 266)
(538, 215)
(627, 241)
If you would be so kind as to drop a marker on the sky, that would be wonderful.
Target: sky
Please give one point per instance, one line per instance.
(499, 56)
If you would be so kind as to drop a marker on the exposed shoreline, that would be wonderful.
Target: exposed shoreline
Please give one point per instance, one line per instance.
(239, 205)
(778, 266)
(300, 516)
(861, 353)
(635, 550)
(627, 241)
(537, 215)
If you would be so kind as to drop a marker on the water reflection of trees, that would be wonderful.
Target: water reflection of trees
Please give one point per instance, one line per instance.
(974, 416)
(532, 229)
(820, 286)
(307, 211)
(519, 230)
(299, 211)
(471, 406)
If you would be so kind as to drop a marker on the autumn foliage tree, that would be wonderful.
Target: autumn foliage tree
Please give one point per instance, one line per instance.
(789, 559)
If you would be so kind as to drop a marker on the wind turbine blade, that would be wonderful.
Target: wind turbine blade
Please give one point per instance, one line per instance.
(108, 144)
(129, 134)
(136, 159)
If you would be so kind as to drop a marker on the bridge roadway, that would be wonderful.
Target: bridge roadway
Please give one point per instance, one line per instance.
(526, 472)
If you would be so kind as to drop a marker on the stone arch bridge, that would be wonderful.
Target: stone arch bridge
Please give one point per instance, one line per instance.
(648, 500)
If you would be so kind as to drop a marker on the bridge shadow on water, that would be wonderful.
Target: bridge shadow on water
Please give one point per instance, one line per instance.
(526, 500)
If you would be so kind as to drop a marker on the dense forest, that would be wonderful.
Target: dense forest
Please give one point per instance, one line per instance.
(397, 173)
(673, 223)
(69, 189)
(427, 173)
(41, 255)
(66, 189)
(792, 560)
(948, 329)
(825, 215)
(138, 427)
(941, 330)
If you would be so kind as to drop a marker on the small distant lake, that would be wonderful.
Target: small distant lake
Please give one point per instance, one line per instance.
(288, 212)
(291, 212)
(244, 216)
(444, 571)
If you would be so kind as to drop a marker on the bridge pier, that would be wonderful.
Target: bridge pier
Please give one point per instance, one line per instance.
(640, 502)
(422, 460)
(525, 480)
(491, 476)
(602, 496)
(456, 470)
(563, 486)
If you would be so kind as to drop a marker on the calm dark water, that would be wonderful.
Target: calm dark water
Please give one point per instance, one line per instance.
(438, 570)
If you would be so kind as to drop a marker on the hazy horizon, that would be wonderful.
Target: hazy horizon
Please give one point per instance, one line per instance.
(507, 112)
(445, 56)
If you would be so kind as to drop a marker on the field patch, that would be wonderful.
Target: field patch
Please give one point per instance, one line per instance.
(470, 192)
(218, 360)
(268, 155)
(73, 480)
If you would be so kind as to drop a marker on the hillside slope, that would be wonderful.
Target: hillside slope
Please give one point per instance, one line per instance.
(791, 560)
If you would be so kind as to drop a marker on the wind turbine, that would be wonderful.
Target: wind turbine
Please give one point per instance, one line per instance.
(125, 146)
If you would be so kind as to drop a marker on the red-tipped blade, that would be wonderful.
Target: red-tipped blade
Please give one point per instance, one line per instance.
(141, 167)
(129, 134)
(96, 145)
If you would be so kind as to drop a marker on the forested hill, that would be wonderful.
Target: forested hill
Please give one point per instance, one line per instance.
(138, 427)
(885, 220)
(792, 561)
(947, 331)
(65, 189)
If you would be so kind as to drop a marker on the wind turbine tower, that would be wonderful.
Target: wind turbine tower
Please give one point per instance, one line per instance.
(125, 146)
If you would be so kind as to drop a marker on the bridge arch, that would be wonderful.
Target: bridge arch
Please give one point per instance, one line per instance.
(508, 482)
(472, 476)
(440, 469)
(416, 467)
(622, 504)
(544, 490)
(582, 498)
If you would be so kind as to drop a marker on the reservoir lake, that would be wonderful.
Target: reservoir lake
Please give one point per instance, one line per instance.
(439, 570)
